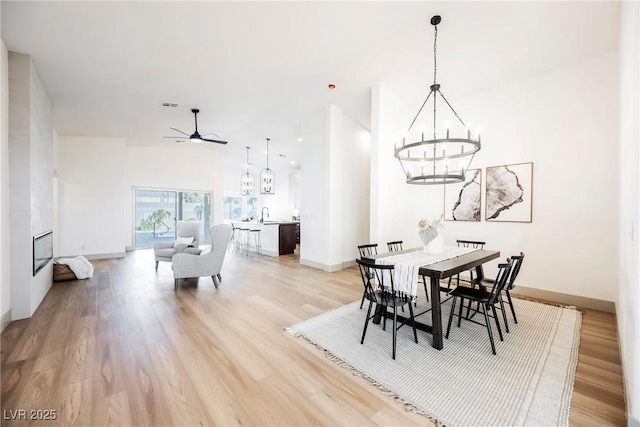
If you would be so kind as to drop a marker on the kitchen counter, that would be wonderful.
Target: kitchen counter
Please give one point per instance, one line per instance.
(278, 237)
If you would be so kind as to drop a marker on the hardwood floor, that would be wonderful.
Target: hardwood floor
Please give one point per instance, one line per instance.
(124, 349)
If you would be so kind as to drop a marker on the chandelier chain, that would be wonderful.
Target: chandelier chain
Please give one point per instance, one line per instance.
(435, 51)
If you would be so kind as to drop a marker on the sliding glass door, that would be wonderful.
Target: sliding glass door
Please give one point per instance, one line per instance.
(158, 211)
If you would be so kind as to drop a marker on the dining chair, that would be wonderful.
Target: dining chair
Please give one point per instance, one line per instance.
(394, 246)
(397, 246)
(384, 295)
(485, 299)
(463, 244)
(517, 263)
(365, 251)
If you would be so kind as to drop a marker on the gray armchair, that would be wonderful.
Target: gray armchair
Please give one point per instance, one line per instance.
(208, 262)
(164, 251)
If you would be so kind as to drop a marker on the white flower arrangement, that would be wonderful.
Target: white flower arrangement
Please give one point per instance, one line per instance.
(429, 230)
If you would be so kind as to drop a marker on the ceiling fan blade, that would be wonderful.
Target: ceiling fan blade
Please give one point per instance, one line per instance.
(176, 137)
(213, 140)
(178, 130)
(210, 134)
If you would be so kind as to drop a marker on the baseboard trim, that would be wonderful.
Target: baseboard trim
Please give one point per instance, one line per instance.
(5, 320)
(332, 268)
(348, 264)
(313, 264)
(584, 302)
(328, 268)
(99, 256)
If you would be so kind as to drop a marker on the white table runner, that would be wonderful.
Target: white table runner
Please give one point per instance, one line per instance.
(407, 265)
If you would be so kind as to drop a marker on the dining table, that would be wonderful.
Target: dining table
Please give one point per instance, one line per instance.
(436, 272)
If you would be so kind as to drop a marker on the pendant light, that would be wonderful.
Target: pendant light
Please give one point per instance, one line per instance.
(246, 180)
(267, 177)
(441, 159)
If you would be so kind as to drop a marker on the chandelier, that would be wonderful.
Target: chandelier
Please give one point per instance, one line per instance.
(246, 180)
(267, 177)
(441, 159)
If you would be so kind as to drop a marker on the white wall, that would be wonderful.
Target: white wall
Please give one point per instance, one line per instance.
(194, 167)
(396, 207)
(335, 189)
(566, 124)
(628, 298)
(91, 182)
(355, 150)
(5, 288)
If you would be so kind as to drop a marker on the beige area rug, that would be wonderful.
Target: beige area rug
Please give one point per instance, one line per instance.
(529, 382)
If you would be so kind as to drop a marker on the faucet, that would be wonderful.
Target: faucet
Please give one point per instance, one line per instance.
(262, 214)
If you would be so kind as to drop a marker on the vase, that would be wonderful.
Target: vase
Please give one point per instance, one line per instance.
(436, 246)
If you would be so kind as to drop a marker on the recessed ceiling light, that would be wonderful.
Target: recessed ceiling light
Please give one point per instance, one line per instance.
(264, 152)
(299, 139)
(332, 86)
(293, 162)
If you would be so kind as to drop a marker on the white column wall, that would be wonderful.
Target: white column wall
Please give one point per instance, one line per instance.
(628, 298)
(335, 189)
(90, 181)
(567, 127)
(5, 287)
(354, 215)
(314, 167)
(31, 182)
(194, 167)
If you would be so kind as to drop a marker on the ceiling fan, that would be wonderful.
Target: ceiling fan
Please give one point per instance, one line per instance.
(195, 137)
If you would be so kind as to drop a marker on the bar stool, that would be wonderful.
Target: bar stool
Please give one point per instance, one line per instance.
(255, 242)
(242, 241)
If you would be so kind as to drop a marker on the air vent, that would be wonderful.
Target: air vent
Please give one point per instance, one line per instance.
(169, 104)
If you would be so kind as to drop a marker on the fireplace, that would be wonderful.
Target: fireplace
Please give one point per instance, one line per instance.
(42, 250)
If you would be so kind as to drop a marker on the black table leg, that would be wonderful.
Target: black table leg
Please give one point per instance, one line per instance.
(436, 317)
(377, 314)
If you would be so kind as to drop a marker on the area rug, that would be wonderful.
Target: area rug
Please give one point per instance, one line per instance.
(528, 383)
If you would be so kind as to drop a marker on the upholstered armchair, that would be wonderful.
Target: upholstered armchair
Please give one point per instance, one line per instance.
(208, 262)
(164, 251)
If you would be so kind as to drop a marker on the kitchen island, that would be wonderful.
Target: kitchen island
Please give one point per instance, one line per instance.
(278, 237)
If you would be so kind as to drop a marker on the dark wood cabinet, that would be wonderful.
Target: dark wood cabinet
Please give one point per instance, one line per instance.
(287, 238)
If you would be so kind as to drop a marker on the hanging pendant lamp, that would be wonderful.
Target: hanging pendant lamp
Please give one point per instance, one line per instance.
(441, 159)
(267, 177)
(246, 180)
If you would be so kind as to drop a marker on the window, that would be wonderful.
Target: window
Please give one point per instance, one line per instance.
(236, 208)
(157, 212)
(232, 208)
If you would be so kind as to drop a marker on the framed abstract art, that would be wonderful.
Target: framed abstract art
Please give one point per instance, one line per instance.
(462, 201)
(509, 193)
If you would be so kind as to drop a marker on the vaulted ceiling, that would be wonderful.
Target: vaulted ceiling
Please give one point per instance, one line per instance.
(255, 69)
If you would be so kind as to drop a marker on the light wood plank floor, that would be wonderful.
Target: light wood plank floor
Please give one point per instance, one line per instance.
(124, 349)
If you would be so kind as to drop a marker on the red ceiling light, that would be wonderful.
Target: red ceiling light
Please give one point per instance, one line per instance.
(332, 86)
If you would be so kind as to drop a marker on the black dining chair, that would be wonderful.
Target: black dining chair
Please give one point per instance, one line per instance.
(469, 280)
(397, 246)
(394, 246)
(485, 300)
(366, 251)
(485, 283)
(383, 295)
